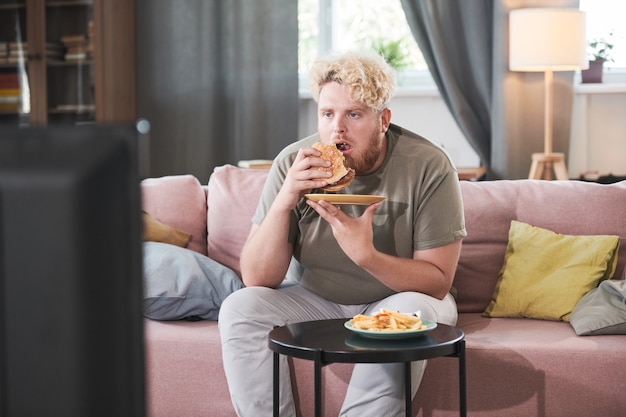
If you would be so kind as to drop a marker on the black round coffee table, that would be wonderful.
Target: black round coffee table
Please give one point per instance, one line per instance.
(328, 341)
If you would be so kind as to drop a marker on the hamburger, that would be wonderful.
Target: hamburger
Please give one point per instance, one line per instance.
(342, 175)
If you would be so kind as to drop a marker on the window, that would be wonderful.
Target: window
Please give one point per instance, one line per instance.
(337, 25)
(333, 25)
(603, 18)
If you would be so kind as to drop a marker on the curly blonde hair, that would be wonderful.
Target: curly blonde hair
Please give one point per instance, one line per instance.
(368, 77)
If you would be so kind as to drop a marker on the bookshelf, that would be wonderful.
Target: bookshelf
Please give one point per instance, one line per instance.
(67, 62)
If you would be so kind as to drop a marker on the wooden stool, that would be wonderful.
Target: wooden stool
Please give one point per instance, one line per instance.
(543, 163)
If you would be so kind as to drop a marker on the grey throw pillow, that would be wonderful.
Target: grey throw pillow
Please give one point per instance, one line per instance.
(602, 310)
(182, 284)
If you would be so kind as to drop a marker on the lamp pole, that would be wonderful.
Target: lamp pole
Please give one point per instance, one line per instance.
(547, 128)
(547, 40)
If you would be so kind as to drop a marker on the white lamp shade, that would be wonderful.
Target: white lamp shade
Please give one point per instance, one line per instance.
(547, 38)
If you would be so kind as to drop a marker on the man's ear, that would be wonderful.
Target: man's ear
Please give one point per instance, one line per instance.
(385, 118)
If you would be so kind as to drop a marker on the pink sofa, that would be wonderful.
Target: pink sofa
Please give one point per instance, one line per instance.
(515, 366)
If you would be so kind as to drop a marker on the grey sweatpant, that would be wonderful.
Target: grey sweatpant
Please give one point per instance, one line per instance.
(247, 316)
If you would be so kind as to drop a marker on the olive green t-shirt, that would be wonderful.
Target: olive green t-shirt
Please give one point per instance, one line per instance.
(422, 210)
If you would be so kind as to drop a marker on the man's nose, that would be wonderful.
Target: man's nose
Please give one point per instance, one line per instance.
(339, 126)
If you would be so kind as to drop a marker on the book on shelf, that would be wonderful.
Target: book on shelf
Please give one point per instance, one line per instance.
(73, 39)
(78, 49)
(16, 59)
(17, 45)
(24, 56)
(10, 91)
(76, 56)
(79, 46)
(9, 80)
(19, 51)
(14, 53)
(76, 107)
(12, 107)
(23, 46)
(10, 99)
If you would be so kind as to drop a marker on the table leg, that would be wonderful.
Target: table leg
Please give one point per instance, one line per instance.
(318, 383)
(462, 382)
(407, 389)
(276, 385)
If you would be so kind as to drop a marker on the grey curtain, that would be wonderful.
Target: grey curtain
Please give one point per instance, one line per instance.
(217, 80)
(465, 44)
(455, 38)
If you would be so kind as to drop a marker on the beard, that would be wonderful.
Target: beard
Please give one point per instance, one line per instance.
(365, 163)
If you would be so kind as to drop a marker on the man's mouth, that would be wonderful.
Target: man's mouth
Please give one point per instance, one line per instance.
(343, 146)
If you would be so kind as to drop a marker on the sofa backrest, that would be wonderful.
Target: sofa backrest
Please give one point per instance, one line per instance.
(566, 207)
(233, 194)
(218, 216)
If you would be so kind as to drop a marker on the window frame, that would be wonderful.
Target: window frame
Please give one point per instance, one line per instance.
(411, 80)
(414, 81)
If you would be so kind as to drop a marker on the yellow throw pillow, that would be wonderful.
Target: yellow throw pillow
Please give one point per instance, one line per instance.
(155, 231)
(545, 273)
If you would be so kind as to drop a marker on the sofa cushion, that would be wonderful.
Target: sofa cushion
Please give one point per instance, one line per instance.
(155, 231)
(184, 371)
(521, 368)
(545, 273)
(602, 310)
(180, 283)
(233, 196)
(179, 202)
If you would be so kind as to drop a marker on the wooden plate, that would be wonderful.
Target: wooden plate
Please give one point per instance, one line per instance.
(358, 199)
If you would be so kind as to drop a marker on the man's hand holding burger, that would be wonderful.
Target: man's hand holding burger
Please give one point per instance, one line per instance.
(341, 175)
(307, 172)
(320, 166)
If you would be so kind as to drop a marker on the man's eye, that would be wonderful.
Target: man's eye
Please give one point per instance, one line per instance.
(326, 115)
(353, 115)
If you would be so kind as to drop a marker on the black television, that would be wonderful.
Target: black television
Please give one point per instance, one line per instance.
(71, 324)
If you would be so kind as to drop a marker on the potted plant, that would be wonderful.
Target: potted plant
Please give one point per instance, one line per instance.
(599, 51)
(395, 53)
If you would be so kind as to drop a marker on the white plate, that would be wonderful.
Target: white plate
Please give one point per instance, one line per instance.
(358, 199)
(390, 334)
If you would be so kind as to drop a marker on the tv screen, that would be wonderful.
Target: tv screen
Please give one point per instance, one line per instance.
(71, 325)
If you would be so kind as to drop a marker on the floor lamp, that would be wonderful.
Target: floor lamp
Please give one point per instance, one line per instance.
(547, 40)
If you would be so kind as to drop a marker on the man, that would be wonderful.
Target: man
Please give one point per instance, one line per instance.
(400, 253)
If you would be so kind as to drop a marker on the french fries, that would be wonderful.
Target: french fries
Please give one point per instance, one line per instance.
(387, 320)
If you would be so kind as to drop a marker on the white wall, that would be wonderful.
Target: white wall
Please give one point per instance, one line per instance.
(598, 140)
(428, 116)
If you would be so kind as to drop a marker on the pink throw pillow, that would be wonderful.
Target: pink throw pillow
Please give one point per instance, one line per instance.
(233, 196)
(178, 201)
